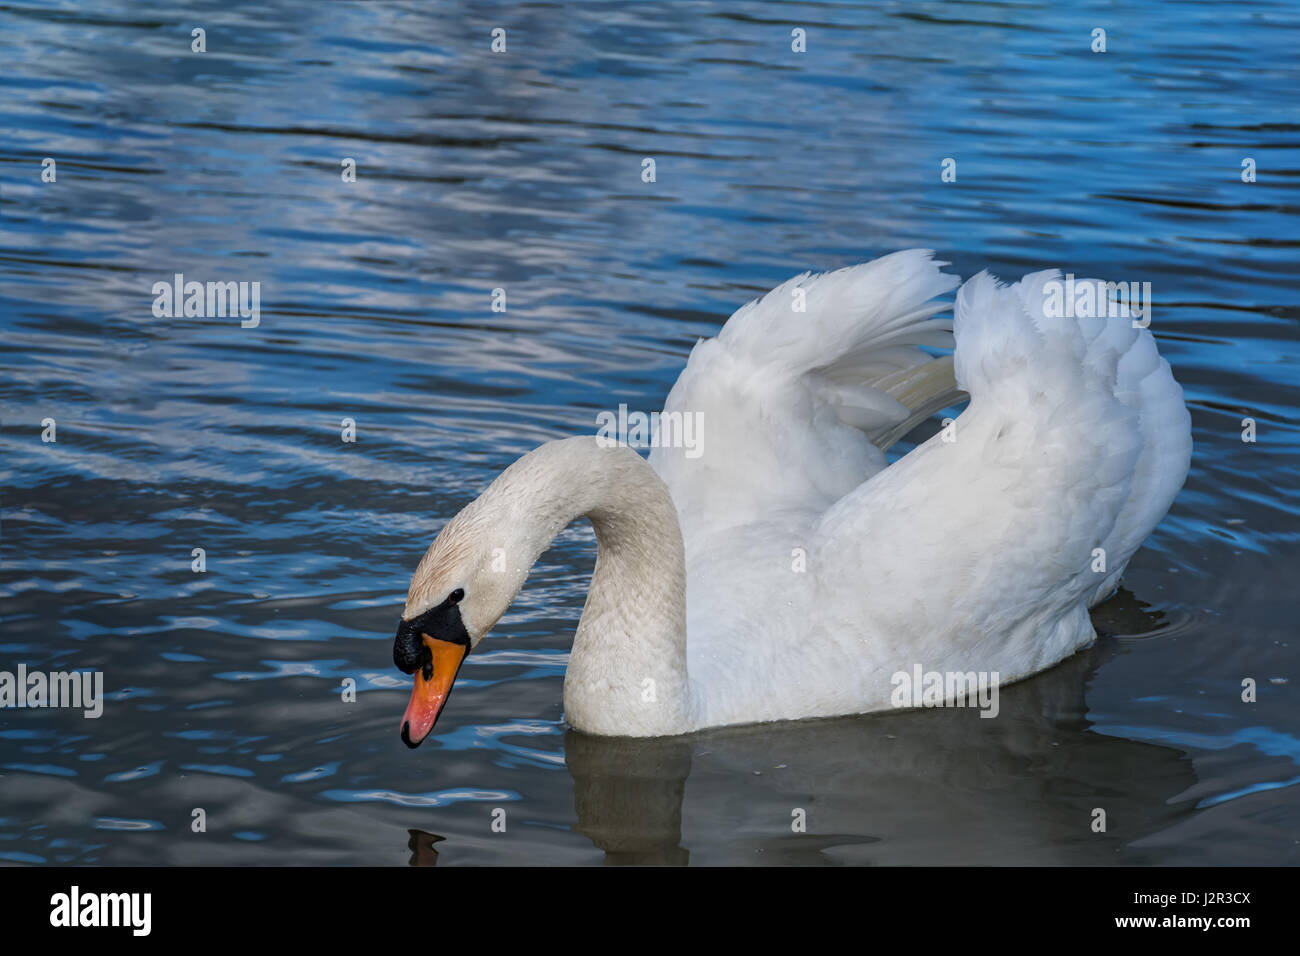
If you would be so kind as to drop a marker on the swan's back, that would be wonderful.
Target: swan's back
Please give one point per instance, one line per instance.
(814, 572)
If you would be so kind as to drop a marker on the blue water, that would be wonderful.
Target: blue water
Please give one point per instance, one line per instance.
(523, 171)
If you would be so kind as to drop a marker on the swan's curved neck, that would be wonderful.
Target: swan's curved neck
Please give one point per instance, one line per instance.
(627, 671)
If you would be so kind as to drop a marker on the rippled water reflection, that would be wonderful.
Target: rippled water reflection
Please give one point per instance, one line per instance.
(522, 171)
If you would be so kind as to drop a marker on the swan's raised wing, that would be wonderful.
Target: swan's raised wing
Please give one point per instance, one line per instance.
(803, 388)
(985, 550)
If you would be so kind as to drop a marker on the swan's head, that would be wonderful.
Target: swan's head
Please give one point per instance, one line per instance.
(458, 592)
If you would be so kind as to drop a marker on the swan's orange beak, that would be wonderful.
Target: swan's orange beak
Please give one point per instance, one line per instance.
(432, 688)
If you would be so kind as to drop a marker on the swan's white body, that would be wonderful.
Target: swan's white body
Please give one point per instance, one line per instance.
(788, 572)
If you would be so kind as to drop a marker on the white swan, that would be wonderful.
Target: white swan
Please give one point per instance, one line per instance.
(804, 570)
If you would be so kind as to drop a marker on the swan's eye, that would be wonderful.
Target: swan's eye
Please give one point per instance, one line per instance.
(456, 596)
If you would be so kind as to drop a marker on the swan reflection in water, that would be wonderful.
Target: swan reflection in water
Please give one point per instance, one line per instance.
(937, 786)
